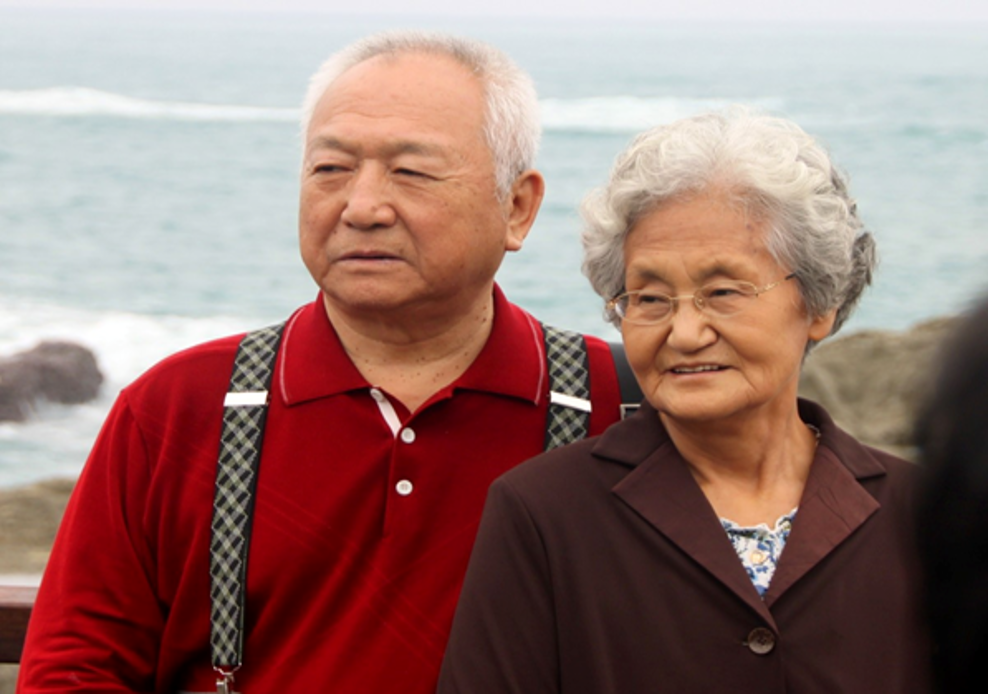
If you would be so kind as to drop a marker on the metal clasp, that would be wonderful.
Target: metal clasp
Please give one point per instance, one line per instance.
(224, 681)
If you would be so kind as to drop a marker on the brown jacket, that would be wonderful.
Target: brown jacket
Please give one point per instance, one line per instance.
(601, 568)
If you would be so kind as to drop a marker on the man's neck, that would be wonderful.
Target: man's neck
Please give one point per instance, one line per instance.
(412, 357)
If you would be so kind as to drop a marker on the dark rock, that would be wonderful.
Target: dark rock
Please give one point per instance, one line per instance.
(872, 382)
(61, 372)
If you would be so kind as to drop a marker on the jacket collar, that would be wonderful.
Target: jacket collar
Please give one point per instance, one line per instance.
(313, 363)
(661, 489)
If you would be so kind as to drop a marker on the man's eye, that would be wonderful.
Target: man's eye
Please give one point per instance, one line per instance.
(328, 168)
(410, 172)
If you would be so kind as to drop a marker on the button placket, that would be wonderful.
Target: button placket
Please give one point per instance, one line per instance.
(405, 487)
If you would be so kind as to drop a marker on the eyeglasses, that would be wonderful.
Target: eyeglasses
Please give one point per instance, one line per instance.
(719, 299)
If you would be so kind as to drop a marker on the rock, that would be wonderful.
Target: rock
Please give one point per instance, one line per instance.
(872, 382)
(61, 372)
(29, 518)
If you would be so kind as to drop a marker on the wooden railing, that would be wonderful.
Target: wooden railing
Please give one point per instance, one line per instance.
(15, 610)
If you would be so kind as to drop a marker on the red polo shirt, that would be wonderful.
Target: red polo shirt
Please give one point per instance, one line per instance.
(361, 534)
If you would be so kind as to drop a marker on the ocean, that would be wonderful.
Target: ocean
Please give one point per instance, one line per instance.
(148, 168)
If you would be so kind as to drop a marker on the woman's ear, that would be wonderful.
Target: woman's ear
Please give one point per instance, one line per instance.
(821, 326)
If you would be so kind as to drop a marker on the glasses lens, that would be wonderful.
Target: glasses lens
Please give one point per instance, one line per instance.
(727, 298)
(645, 307)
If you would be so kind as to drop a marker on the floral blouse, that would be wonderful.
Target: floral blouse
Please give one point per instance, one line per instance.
(760, 547)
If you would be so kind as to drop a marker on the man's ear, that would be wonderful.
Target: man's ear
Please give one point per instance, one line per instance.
(521, 207)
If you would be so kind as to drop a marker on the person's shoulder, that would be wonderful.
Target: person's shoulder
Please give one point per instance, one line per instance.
(899, 470)
(892, 480)
(550, 464)
(863, 460)
(562, 475)
(206, 362)
(600, 346)
(892, 461)
(197, 365)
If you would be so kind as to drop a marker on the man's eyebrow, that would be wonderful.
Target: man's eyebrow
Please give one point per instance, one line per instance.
(323, 142)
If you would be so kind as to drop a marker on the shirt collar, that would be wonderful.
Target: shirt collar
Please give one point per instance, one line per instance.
(313, 363)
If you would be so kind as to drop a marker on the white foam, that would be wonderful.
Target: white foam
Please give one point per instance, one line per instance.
(125, 343)
(54, 442)
(629, 113)
(593, 114)
(83, 101)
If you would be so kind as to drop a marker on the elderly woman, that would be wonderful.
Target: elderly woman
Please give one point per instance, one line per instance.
(729, 537)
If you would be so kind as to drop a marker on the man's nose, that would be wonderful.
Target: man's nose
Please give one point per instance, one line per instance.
(369, 203)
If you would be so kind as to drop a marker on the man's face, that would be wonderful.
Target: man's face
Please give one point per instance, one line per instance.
(399, 213)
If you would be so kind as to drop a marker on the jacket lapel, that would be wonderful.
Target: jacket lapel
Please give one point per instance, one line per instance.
(662, 491)
(834, 503)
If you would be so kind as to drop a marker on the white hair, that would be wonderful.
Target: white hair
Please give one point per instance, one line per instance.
(511, 120)
(770, 166)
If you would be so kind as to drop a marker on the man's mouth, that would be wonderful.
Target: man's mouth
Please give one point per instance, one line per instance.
(369, 255)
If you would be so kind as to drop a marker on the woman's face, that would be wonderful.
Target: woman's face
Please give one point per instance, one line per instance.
(698, 367)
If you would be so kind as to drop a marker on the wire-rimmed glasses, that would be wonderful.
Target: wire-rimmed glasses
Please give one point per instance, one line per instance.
(720, 299)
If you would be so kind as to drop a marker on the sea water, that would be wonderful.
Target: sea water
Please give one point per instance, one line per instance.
(148, 168)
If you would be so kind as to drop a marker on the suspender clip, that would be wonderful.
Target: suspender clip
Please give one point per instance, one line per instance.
(224, 681)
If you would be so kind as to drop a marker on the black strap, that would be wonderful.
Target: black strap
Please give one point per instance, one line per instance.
(631, 392)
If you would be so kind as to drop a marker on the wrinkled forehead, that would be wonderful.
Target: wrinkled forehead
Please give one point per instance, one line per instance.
(422, 85)
(413, 70)
(410, 104)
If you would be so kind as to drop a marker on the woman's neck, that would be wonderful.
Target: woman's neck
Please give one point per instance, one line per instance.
(750, 471)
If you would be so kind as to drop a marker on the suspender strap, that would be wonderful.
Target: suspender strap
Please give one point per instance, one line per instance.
(245, 411)
(233, 504)
(568, 419)
(631, 392)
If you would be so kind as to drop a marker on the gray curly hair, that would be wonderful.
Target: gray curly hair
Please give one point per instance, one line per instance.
(512, 128)
(771, 166)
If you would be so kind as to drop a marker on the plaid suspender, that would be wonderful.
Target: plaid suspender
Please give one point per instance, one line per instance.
(245, 410)
(569, 387)
(233, 505)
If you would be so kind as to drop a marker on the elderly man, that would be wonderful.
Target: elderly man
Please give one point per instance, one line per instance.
(387, 406)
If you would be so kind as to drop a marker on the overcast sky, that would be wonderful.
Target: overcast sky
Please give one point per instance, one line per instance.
(733, 10)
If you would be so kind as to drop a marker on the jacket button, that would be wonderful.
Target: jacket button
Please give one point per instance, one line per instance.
(761, 641)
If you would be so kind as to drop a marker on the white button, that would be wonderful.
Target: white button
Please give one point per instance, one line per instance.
(377, 395)
(407, 435)
(404, 487)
